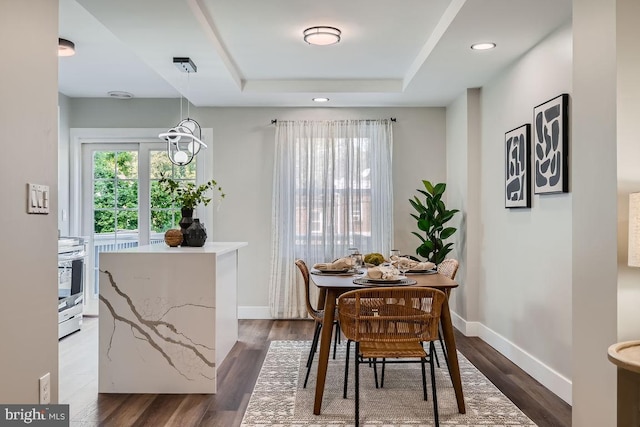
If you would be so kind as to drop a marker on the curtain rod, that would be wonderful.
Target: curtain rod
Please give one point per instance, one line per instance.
(275, 121)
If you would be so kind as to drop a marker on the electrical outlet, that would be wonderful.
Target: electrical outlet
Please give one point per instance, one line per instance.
(45, 389)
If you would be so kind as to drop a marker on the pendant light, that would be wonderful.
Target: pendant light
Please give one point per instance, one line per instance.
(185, 139)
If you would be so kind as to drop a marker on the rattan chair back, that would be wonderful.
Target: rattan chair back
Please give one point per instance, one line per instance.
(449, 268)
(317, 315)
(391, 314)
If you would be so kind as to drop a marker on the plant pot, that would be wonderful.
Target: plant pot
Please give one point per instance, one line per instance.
(196, 234)
(185, 222)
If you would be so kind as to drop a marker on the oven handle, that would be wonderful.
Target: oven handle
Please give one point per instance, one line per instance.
(72, 257)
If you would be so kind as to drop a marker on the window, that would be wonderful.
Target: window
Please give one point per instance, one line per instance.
(332, 191)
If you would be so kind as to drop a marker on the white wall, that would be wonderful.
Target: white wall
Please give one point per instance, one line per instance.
(594, 211)
(241, 156)
(28, 313)
(628, 129)
(524, 274)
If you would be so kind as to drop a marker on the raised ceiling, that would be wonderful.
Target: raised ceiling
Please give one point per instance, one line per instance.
(251, 52)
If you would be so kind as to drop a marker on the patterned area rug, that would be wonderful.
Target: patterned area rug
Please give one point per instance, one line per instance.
(278, 399)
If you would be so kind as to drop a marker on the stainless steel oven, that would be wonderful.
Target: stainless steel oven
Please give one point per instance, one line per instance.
(72, 255)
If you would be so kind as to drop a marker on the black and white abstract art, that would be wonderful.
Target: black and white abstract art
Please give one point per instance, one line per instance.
(551, 146)
(518, 164)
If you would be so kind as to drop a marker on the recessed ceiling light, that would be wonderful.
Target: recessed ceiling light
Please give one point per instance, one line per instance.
(320, 99)
(483, 46)
(322, 36)
(66, 47)
(118, 94)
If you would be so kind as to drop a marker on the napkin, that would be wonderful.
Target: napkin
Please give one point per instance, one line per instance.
(395, 260)
(383, 272)
(339, 264)
(423, 266)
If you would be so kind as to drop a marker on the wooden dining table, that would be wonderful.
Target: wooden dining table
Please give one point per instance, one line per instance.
(332, 286)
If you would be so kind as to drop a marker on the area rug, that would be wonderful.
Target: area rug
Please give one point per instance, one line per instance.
(278, 399)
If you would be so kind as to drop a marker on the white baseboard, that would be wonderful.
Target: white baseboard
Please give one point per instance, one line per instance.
(548, 377)
(254, 312)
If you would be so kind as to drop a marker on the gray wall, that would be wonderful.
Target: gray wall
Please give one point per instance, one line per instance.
(518, 296)
(63, 165)
(28, 313)
(241, 159)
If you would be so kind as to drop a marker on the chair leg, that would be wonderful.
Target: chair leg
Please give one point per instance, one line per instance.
(384, 360)
(424, 378)
(436, 354)
(335, 339)
(346, 370)
(375, 371)
(444, 351)
(316, 335)
(312, 352)
(357, 404)
(433, 385)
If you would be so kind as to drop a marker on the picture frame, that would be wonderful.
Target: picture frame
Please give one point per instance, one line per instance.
(551, 146)
(517, 186)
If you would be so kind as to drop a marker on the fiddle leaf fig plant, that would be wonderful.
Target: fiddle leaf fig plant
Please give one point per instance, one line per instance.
(432, 215)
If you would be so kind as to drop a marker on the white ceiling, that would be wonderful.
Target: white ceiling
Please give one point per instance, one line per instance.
(251, 52)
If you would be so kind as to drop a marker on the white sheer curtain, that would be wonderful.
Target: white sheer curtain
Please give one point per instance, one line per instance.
(332, 191)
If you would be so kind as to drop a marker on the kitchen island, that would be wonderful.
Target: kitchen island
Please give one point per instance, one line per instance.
(168, 317)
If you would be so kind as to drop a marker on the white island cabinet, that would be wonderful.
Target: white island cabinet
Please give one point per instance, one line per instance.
(168, 317)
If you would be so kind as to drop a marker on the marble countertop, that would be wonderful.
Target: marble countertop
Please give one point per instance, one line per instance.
(218, 248)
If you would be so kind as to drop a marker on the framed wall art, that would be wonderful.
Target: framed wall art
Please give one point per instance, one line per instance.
(518, 166)
(551, 146)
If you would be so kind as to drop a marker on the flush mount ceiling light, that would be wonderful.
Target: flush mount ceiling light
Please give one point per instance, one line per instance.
(322, 36)
(483, 46)
(185, 139)
(66, 47)
(320, 99)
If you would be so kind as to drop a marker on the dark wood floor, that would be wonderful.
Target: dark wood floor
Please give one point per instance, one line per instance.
(237, 376)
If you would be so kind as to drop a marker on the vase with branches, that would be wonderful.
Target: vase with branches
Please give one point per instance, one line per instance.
(431, 218)
(188, 196)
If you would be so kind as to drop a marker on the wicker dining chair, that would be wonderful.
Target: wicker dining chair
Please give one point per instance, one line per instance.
(391, 322)
(318, 318)
(448, 268)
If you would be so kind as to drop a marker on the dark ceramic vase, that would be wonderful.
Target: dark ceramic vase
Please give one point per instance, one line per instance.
(196, 234)
(185, 222)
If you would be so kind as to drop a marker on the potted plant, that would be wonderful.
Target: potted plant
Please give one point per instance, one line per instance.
(188, 195)
(431, 217)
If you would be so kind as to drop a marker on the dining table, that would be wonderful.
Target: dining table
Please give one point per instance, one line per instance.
(333, 285)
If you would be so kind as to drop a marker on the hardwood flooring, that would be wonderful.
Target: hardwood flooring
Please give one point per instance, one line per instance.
(236, 378)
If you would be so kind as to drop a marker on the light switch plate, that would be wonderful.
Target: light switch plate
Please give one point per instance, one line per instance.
(37, 199)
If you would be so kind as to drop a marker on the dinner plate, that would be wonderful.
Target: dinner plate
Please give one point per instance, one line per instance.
(380, 282)
(343, 272)
(422, 271)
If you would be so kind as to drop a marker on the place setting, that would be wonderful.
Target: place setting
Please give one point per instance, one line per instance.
(350, 265)
(385, 275)
(410, 265)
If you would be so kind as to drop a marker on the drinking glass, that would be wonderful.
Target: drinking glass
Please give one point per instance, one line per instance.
(403, 266)
(357, 262)
(394, 254)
